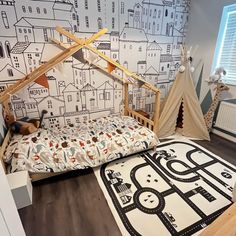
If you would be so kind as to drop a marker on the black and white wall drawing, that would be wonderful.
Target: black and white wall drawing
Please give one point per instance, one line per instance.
(144, 36)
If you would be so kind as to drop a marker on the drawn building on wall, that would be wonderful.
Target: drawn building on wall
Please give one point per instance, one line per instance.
(143, 35)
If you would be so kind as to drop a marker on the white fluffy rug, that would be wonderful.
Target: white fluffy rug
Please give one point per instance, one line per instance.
(177, 190)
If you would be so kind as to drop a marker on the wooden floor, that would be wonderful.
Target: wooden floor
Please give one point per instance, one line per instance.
(73, 204)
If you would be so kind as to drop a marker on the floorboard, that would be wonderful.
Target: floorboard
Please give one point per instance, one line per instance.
(73, 204)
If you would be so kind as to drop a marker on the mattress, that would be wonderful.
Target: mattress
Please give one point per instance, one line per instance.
(87, 144)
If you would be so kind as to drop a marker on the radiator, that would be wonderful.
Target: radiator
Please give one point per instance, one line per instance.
(225, 119)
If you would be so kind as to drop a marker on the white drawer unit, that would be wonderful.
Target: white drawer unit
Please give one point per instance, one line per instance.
(21, 188)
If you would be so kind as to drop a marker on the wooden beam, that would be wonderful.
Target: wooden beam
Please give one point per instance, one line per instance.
(38, 72)
(118, 65)
(47, 66)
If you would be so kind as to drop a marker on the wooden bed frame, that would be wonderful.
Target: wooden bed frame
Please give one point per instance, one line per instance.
(68, 51)
(151, 124)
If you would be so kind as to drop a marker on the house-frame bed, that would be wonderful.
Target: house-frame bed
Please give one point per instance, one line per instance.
(151, 124)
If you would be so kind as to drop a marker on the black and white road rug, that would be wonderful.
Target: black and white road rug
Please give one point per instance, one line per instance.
(177, 190)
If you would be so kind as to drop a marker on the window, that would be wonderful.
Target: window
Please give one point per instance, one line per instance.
(8, 48)
(99, 5)
(226, 45)
(73, 16)
(122, 8)
(45, 34)
(155, 13)
(10, 72)
(25, 31)
(44, 10)
(20, 30)
(166, 12)
(38, 10)
(101, 96)
(4, 19)
(86, 4)
(113, 7)
(76, 3)
(23, 9)
(99, 23)
(1, 51)
(107, 95)
(69, 98)
(87, 21)
(30, 9)
(113, 22)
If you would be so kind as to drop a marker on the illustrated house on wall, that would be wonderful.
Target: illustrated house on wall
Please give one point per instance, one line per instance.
(115, 45)
(8, 34)
(106, 96)
(105, 48)
(72, 98)
(28, 28)
(31, 108)
(37, 91)
(132, 41)
(17, 56)
(64, 10)
(55, 108)
(9, 75)
(82, 74)
(153, 55)
(26, 56)
(165, 65)
(18, 107)
(155, 12)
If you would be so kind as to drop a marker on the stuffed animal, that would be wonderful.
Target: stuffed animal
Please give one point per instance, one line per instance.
(23, 126)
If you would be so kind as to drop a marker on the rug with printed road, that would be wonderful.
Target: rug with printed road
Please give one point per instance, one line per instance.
(178, 189)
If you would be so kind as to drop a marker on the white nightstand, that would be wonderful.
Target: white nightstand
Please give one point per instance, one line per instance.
(21, 188)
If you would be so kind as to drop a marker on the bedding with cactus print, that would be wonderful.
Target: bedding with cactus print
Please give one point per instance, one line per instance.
(79, 146)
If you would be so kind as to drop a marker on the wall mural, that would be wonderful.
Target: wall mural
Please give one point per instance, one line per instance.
(144, 36)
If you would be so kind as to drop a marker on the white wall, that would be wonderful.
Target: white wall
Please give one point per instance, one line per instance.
(10, 223)
(205, 16)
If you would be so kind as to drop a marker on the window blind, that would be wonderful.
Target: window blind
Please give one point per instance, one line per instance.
(226, 49)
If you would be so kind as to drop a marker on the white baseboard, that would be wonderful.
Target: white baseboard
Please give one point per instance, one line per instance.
(226, 136)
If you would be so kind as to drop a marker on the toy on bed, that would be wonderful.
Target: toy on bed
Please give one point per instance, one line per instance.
(23, 126)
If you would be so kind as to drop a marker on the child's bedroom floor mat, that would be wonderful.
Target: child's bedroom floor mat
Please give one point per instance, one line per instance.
(177, 190)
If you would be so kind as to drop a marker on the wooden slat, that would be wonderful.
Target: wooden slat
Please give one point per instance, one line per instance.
(126, 99)
(5, 143)
(156, 114)
(136, 114)
(224, 225)
(125, 70)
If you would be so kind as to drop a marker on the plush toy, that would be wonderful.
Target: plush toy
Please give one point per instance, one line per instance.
(23, 126)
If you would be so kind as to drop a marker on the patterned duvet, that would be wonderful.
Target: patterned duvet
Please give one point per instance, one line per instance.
(77, 147)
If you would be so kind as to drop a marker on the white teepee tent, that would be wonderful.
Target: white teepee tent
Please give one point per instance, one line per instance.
(183, 91)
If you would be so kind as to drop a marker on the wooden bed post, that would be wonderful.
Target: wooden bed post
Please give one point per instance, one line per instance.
(126, 99)
(156, 113)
